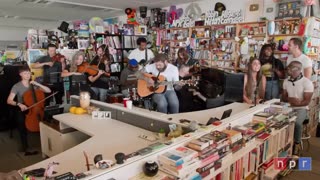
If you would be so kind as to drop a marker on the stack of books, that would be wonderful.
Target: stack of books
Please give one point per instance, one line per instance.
(180, 162)
(235, 139)
(262, 117)
(211, 147)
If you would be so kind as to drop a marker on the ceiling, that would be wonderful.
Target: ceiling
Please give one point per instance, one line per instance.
(26, 13)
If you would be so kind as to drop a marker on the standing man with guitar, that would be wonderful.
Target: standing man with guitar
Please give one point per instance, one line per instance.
(142, 52)
(18, 91)
(51, 72)
(167, 102)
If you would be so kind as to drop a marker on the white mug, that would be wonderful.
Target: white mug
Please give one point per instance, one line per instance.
(129, 104)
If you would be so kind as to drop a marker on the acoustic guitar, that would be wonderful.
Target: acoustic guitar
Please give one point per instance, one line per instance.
(159, 86)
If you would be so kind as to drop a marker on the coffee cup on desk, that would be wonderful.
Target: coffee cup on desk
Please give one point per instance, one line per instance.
(125, 101)
(129, 104)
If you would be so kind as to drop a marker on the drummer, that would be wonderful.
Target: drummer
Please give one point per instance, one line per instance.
(128, 79)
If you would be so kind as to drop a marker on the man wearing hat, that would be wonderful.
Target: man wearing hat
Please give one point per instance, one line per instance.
(128, 78)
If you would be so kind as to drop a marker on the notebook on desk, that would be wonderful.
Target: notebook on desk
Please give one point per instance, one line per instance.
(225, 114)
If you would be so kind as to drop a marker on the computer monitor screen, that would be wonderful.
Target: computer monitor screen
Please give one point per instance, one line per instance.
(233, 87)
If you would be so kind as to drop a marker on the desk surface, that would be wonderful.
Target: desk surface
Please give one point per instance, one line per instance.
(108, 138)
(112, 136)
(201, 117)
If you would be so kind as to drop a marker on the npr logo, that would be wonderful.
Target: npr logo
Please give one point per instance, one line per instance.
(300, 164)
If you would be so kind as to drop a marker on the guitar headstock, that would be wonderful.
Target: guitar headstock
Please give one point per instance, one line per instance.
(190, 82)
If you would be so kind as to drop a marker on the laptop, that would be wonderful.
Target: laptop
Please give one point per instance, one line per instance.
(225, 114)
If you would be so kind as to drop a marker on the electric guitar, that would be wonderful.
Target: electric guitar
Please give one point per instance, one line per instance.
(159, 86)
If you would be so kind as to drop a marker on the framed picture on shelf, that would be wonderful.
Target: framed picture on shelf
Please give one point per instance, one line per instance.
(34, 54)
(140, 30)
(128, 29)
(83, 43)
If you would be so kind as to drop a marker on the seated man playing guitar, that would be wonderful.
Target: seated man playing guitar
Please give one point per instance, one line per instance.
(166, 99)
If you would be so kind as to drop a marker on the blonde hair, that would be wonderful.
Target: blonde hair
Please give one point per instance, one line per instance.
(73, 65)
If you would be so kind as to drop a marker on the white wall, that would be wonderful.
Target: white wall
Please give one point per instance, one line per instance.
(18, 34)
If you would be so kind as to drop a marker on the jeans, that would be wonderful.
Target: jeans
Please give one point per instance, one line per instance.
(167, 101)
(101, 94)
(20, 120)
(302, 114)
(272, 90)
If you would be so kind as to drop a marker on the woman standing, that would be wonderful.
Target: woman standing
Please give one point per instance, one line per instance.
(78, 80)
(184, 58)
(17, 92)
(272, 68)
(99, 82)
(254, 83)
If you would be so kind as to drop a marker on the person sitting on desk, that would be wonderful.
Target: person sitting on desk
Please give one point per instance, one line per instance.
(297, 90)
(167, 102)
(128, 78)
(78, 80)
(273, 69)
(254, 83)
(142, 52)
(99, 82)
(184, 58)
(18, 90)
(51, 73)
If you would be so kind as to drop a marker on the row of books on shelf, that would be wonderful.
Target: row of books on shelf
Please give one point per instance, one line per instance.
(201, 54)
(115, 41)
(205, 155)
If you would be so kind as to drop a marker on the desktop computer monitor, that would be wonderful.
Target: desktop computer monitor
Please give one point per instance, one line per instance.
(233, 87)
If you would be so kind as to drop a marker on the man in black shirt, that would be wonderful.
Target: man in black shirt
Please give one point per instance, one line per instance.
(51, 73)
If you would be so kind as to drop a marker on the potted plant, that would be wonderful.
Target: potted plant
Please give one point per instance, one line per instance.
(162, 133)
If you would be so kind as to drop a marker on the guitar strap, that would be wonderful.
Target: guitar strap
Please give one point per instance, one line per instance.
(146, 54)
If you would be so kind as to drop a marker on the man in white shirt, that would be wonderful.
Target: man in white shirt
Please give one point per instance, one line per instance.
(295, 48)
(297, 90)
(142, 52)
(167, 102)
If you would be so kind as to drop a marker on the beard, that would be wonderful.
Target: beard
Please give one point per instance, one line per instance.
(163, 69)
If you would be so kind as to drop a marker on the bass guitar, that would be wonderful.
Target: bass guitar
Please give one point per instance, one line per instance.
(159, 86)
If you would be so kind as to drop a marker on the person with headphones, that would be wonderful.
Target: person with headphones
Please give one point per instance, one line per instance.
(298, 91)
(142, 52)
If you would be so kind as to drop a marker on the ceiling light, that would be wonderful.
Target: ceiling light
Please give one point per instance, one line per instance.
(29, 0)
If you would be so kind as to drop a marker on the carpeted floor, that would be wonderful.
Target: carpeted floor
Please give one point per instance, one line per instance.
(11, 159)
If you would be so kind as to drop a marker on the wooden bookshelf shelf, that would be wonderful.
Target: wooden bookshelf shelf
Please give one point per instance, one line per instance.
(195, 27)
(279, 35)
(287, 19)
(202, 37)
(231, 38)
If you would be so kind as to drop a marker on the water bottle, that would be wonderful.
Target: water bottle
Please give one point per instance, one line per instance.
(4, 59)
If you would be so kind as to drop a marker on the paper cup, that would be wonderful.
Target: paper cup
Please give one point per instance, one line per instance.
(129, 104)
(125, 101)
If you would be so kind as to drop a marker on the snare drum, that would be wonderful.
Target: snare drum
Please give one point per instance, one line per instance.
(115, 98)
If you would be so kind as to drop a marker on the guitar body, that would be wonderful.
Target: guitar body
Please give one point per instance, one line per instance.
(144, 90)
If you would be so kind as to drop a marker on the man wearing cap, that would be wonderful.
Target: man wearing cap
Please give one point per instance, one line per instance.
(142, 52)
(128, 78)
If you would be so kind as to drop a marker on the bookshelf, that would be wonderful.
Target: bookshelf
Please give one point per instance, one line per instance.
(121, 45)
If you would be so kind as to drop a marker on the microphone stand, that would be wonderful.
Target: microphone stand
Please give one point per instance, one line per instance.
(255, 97)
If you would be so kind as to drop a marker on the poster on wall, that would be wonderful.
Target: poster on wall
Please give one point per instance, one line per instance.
(289, 9)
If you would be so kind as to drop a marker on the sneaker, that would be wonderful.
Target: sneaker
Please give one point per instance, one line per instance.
(296, 149)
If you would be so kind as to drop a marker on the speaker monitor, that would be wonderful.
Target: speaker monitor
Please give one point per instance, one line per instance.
(143, 11)
(64, 27)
